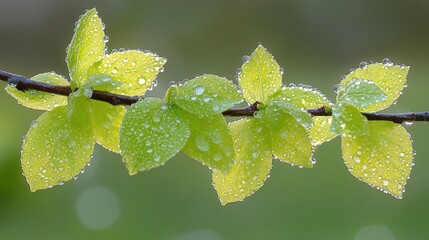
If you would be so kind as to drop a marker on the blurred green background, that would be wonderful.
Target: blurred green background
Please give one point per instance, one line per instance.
(314, 41)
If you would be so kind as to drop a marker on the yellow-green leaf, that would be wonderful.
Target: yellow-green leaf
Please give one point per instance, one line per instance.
(321, 130)
(106, 120)
(87, 46)
(260, 77)
(252, 165)
(41, 100)
(308, 98)
(289, 139)
(136, 70)
(210, 145)
(382, 159)
(389, 77)
(54, 150)
(347, 119)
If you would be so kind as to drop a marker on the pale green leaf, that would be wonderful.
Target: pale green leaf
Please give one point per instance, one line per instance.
(210, 145)
(252, 165)
(151, 134)
(54, 150)
(106, 120)
(206, 94)
(310, 98)
(41, 100)
(321, 130)
(136, 70)
(260, 77)
(389, 77)
(360, 94)
(289, 139)
(382, 159)
(347, 119)
(87, 46)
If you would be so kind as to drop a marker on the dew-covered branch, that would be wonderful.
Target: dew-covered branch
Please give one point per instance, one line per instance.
(23, 84)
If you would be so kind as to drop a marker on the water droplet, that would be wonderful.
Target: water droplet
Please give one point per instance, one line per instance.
(122, 50)
(363, 65)
(238, 71)
(336, 88)
(385, 182)
(282, 71)
(245, 59)
(202, 144)
(13, 82)
(408, 123)
(387, 62)
(142, 81)
(114, 71)
(106, 39)
(88, 92)
(156, 118)
(199, 90)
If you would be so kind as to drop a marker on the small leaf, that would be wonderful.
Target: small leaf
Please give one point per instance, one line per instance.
(279, 106)
(210, 145)
(321, 130)
(106, 120)
(206, 94)
(136, 70)
(361, 94)
(41, 100)
(260, 77)
(347, 119)
(389, 77)
(309, 98)
(54, 150)
(382, 159)
(252, 162)
(151, 134)
(87, 46)
(290, 140)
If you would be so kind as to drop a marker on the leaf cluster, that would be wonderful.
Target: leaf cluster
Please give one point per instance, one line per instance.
(147, 134)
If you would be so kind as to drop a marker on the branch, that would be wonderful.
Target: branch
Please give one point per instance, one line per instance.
(22, 83)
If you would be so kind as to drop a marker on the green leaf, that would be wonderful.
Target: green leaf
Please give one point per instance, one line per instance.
(308, 98)
(361, 94)
(206, 94)
(106, 120)
(347, 119)
(54, 150)
(101, 82)
(389, 77)
(382, 159)
(151, 134)
(260, 77)
(210, 145)
(41, 100)
(87, 46)
(321, 130)
(252, 162)
(290, 140)
(136, 70)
